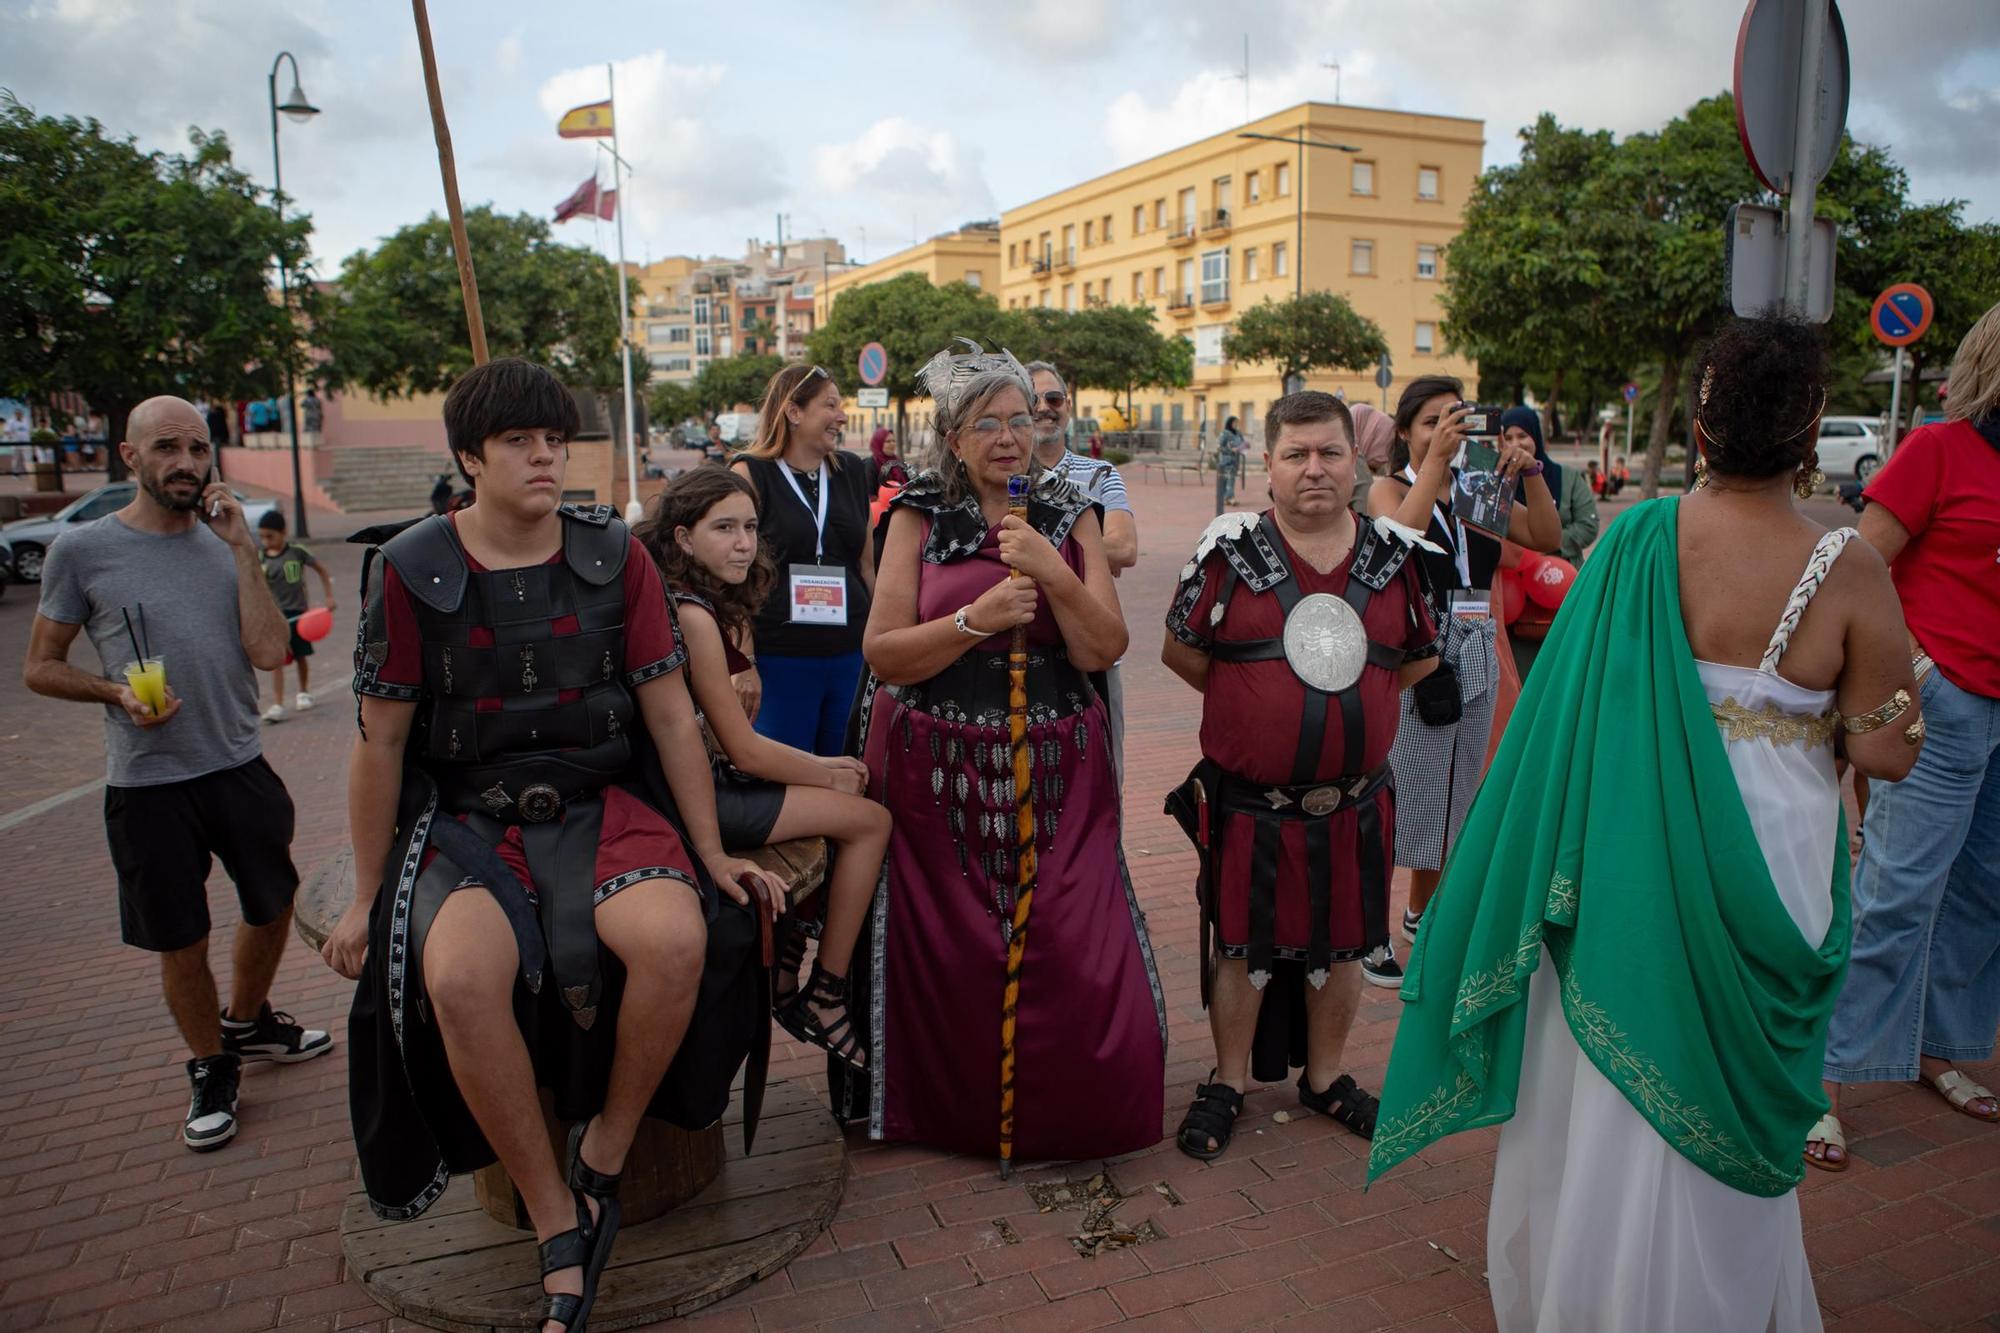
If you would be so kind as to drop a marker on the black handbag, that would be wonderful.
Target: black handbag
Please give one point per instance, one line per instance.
(1438, 699)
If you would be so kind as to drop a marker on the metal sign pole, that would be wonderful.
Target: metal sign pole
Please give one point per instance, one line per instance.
(1805, 177)
(1895, 410)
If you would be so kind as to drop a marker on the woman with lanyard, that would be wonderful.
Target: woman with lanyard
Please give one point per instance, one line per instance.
(1440, 750)
(813, 502)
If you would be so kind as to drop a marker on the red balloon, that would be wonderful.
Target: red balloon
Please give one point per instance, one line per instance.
(1549, 583)
(315, 624)
(1513, 599)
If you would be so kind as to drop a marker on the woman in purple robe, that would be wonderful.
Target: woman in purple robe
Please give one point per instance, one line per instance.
(958, 573)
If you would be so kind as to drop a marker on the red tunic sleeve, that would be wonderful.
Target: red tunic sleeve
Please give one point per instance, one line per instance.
(653, 644)
(389, 662)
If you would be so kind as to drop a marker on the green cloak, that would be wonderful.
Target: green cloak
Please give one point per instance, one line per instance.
(1611, 830)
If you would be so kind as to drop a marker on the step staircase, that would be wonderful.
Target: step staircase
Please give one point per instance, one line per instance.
(365, 480)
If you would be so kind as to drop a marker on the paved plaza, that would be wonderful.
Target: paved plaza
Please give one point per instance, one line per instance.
(108, 1223)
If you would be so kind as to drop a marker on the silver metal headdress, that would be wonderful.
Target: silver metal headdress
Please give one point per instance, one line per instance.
(947, 375)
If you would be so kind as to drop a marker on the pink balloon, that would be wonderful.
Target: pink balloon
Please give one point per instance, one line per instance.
(315, 624)
(1550, 581)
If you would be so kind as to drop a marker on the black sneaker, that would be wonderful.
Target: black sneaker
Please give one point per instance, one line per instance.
(272, 1036)
(211, 1117)
(1381, 968)
(1412, 920)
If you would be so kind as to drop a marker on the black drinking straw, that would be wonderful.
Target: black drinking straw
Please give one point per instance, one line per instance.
(134, 637)
(145, 639)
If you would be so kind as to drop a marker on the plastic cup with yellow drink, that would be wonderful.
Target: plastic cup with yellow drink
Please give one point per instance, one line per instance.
(148, 679)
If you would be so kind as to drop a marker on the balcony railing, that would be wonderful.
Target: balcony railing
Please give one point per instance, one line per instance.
(1066, 259)
(1214, 221)
(1214, 295)
(1042, 263)
(1181, 232)
(1181, 303)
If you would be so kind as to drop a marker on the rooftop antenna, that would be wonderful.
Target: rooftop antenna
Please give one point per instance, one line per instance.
(1328, 64)
(1245, 76)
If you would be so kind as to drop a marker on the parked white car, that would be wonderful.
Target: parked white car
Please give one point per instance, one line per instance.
(32, 537)
(1849, 447)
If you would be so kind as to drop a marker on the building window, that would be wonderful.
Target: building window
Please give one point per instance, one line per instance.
(1138, 219)
(701, 310)
(1069, 296)
(1225, 193)
(1427, 182)
(1089, 234)
(703, 346)
(1044, 298)
(721, 315)
(657, 333)
(1253, 187)
(1159, 214)
(1362, 258)
(678, 333)
(1160, 281)
(1208, 344)
(1215, 276)
(1427, 261)
(1426, 336)
(1138, 287)
(1104, 230)
(1364, 178)
(1010, 256)
(1282, 178)
(1250, 273)
(1187, 210)
(1184, 273)
(1281, 259)
(972, 278)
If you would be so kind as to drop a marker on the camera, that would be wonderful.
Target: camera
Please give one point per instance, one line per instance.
(1481, 419)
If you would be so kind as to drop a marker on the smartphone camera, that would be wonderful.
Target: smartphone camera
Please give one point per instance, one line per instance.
(1482, 419)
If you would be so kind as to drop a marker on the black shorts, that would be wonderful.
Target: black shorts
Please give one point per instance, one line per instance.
(300, 648)
(746, 809)
(164, 840)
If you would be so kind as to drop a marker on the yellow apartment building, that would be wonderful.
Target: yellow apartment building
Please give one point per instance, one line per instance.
(970, 255)
(1206, 231)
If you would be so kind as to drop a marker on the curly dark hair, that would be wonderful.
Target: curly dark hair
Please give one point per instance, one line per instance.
(684, 502)
(1758, 389)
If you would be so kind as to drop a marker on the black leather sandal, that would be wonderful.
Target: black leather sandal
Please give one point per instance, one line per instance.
(837, 1038)
(1213, 1116)
(602, 1189)
(791, 957)
(1344, 1101)
(569, 1249)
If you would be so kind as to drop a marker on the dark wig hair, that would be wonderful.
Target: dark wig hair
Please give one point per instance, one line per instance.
(684, 502)
(1304, 408)
(1415, 394)
(1759, 388)
(508, 393)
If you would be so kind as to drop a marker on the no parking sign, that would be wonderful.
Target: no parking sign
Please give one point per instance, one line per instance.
(1902, 314)
(874, 364)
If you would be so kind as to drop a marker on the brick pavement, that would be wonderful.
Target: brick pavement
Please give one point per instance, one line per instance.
(107, 1223)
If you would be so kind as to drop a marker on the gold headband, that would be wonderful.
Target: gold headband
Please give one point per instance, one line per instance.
(1701, 419)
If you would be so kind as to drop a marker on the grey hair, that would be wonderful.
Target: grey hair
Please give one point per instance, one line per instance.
(974, 395)
(1035, 367)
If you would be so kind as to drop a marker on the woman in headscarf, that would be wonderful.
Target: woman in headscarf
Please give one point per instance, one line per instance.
(959, 572)
(1374, 442)
(1576, 507)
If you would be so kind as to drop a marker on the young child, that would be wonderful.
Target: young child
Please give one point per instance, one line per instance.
(703, 533)
(285, 566)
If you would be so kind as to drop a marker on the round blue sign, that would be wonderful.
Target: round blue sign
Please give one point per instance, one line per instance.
(1631, 393)
(874, 364)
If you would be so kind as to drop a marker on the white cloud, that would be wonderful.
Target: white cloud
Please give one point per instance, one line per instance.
(899, 173)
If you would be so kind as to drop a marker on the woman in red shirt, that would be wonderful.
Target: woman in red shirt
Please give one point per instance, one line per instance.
(1923, 987)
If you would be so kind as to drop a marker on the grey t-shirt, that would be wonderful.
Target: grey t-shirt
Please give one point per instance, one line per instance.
(187, 583)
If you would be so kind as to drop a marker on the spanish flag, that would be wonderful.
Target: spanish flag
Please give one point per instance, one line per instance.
(586, 122)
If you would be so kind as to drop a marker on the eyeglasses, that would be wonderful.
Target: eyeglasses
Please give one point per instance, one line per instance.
(991, 428)
(1054, 397)
(810, 379)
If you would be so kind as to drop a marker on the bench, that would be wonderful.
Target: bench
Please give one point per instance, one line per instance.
(702, 1220)
(1171, 467)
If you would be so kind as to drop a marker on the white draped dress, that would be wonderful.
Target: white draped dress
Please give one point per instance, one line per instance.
(1597, 1224)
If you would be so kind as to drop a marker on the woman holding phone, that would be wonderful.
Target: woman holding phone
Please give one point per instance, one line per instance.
(1440, 750)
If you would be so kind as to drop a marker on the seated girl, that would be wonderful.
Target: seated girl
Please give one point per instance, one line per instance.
(702, 531)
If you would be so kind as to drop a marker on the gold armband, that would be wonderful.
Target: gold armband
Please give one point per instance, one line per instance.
(1914, 733)
(1861, 723)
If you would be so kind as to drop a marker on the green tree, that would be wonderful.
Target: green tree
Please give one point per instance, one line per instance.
(668, 404)
(913, 321)
(396, 325)
(1315, 331)
(1120, 349)
(729, 380)
(125, 274)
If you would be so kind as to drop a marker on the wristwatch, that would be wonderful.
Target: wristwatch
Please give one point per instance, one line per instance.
(958, 623)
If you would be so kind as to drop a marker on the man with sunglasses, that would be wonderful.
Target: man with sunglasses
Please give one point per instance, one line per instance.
(1100, 481)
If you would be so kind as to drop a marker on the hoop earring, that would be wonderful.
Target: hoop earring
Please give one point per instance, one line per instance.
(1807, 483)
(1701, 474)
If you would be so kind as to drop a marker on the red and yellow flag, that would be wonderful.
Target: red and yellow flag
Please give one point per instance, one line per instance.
(592, 121)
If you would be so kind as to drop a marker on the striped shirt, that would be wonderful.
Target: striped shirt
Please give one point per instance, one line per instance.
(1095, 478)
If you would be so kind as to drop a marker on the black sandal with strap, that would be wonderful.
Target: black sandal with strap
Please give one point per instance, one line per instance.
(1213, 1116)
(575, 1248)
(601, 1188)
(1344, 1101)
(837, 1038)
(791, 957)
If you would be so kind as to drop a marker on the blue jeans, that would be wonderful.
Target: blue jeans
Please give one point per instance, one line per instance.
(1925, 971)
(807, 700)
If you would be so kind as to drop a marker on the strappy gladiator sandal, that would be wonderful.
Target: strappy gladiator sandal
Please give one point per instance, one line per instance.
(576, 1248)
(602, 1189)
(1344, 1101)
(791, 957)
(801, 1018)
(1212, 1116)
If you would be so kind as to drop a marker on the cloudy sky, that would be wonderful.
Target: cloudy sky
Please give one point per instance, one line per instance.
(882, 120)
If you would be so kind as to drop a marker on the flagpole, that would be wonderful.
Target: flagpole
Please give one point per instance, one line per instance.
(468, 284)
(633, 509)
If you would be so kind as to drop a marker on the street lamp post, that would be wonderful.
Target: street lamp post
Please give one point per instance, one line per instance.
(1299, 194)
(298, 108)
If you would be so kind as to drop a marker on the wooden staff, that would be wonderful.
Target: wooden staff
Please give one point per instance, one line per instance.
(1024, 848)
(468, 284)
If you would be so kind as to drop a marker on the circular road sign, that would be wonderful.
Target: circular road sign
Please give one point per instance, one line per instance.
(1901, 314)
(1631, 393)
(1383, 375)
(1768, 49)
(874, 364)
